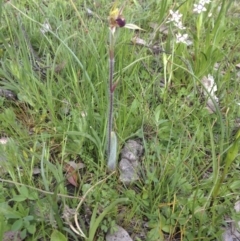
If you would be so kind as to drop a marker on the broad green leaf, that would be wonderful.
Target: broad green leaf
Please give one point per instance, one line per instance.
(57, 236)
(231, 154)
(24, 191)
(235, 185)
(23, 233)
(17, 225)
(19, 198)
(31, 228)
(8, 213)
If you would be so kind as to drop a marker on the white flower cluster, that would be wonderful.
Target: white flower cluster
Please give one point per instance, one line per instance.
(200, 7)
(176, 19)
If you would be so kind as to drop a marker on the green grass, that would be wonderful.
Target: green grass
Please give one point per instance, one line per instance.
(62, 117)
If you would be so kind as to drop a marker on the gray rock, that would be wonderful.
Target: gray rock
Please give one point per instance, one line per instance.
(128, 171)
(132, 150)
(230, 235)
(119, 235)
(129, 164)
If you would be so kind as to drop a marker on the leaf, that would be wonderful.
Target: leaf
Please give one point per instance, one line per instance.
(19, 198)
(36, 171)
(72, 179)
(9, 213)
(31, 228)
(24, 191)
(23, 233)
(17, 225)
(232, 153)
(112, 159)
(57, 236)
(71, 169)
(139, 41)
(133, 26)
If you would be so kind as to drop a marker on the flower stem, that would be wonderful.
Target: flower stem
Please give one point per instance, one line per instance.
(110, 91)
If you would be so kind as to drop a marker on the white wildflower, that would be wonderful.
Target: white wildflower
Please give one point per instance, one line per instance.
(203, 2)
(46, 27)
(199, 8)
(179, 25)
(175, 18)
(182, 38)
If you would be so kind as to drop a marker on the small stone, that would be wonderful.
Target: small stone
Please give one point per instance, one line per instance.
(128, 171)
(132, 150)
(120, 234)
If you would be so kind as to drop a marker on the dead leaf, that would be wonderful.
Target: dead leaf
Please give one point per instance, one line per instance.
(133, 26)
(71, 168)
(161, 28)
(60, 67)
(68, 213)
(36, 171)
(209, 90)
(75, 165)
(139, 41)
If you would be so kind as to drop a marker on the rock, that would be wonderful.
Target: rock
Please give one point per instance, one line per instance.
(130, 155)
(230, 235)
(120, 234)
(231, 232)
(128, 171)
(132, 150)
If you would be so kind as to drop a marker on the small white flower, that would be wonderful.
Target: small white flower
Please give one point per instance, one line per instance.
(182, 38)
(175, 16)
(179, 25)
(199, 8)
(203, 2)
(176, 19)
(46, 27)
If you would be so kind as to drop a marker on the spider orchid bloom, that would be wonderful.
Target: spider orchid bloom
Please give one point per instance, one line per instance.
(116, 19)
